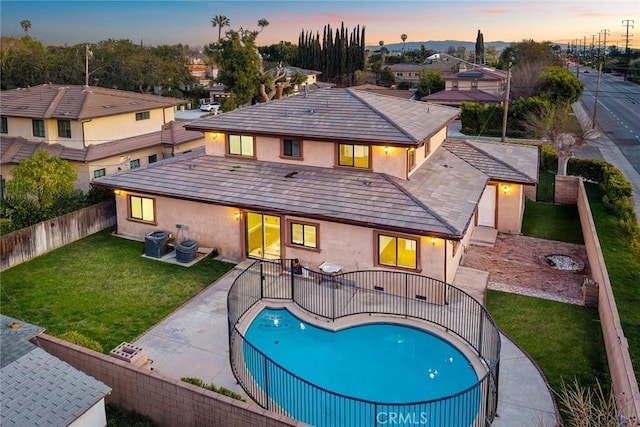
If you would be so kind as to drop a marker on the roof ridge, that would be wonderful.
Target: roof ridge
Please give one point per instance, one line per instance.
(379, 113)
(492, 157)
(407, 193)
(62, 90)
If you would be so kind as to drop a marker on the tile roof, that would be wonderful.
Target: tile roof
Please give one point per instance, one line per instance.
(399, 93)
(74, 102)
(337, 114)
(438, 199)
(39, 389)
(506, 162)
(461, 95)
(12, 150)
(478, 73)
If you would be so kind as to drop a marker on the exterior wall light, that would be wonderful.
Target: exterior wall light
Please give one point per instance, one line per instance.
(505, 189)
(433, 241)
(117, 192)
(386, 150)
(237, 216)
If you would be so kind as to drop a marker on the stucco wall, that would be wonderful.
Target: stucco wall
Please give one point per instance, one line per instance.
(625, 385)
(510, 207)
(167, 401)
(212, 226)
(392, 160)
(110, 128)
(94, 417)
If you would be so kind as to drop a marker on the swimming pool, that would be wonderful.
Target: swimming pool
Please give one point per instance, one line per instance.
(376, 362)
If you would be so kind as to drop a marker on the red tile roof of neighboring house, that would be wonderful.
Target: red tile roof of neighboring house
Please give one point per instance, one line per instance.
(73, 102)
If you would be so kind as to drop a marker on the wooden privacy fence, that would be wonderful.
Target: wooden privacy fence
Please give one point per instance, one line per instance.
(30, 242)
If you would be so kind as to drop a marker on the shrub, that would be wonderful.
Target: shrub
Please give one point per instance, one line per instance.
(79, 339)
(586, 407)
(212, 387)
(117, 416)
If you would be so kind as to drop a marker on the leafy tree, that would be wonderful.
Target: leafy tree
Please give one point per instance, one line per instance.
(240, 62)
(555, 127)
(491, 55)
(41, 178)
(23, 62)
(480, 48)
(430, 81)
(26, 26)
(220, 21)
(386, 77)
(561, 86)
(281, 53)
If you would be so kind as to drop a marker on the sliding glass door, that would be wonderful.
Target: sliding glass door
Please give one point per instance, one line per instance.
(263, 236)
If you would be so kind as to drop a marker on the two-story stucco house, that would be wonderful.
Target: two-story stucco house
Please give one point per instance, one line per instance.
(101, 131)
(482, 85)
(343, 176)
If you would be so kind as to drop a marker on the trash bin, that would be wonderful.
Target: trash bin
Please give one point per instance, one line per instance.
(155, 244)
(186, 251)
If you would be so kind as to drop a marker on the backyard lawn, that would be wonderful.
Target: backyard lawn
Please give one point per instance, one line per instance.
(101, 287)
(564, 340)
(552, 222)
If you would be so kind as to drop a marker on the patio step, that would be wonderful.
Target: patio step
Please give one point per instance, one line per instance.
(484, 236)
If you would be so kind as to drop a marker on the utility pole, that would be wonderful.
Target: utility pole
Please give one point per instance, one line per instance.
(506, 104)
(595, 101)
(87, 52)
(627, 23)
(593, 45)
(604, 45)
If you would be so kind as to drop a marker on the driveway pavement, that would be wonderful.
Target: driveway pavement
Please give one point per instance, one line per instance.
(193, 342)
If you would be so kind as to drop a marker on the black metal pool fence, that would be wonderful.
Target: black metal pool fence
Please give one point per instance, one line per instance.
(332, 297)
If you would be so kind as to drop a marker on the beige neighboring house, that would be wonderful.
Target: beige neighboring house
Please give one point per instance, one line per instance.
(342, 176)
(101, 131)
(481, 85)
(407, 72)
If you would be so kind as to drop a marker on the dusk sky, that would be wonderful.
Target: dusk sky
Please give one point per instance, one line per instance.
(188, 22)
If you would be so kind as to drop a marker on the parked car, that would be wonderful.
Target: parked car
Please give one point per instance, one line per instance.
(211, 107)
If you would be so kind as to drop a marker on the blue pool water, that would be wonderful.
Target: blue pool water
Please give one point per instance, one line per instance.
(379, 362)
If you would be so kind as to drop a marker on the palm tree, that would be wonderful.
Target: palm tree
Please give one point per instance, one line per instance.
(381, 43)
(404, 39)
(220, 21)
(262, 23)
(26, 26)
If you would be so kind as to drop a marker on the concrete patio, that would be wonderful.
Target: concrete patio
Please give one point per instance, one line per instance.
(193, 342)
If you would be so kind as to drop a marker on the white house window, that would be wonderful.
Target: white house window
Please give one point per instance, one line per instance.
(4, 128)
(134, 164)
(99, 172)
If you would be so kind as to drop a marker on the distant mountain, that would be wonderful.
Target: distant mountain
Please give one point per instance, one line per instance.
(440, 46)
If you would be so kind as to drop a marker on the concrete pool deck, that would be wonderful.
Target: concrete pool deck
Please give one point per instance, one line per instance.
(193, 342)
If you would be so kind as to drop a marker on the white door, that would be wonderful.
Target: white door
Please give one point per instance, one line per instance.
(487, 207)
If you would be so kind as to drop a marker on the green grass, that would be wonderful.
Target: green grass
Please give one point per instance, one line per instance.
(624, 272)
(552, 222)
(564, 340)
(101, 287)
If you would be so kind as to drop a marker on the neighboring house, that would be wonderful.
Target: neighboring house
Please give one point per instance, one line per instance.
(39, 389)
(100, 130)
(407, 72)
(338, 175)
(481, 85)
(108, 158)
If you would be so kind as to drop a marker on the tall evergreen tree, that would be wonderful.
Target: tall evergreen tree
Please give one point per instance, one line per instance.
(480, 48)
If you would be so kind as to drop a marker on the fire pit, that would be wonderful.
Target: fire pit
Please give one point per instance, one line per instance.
(563, 262)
